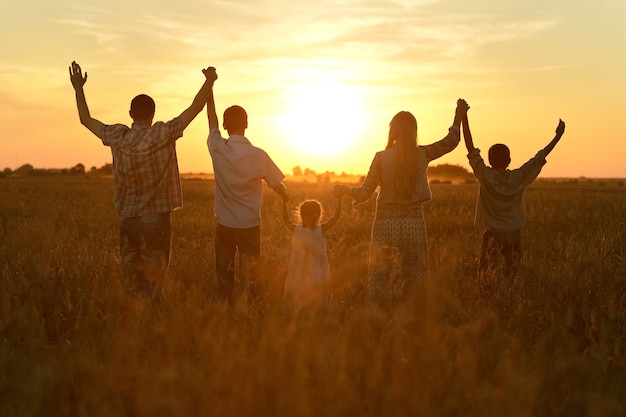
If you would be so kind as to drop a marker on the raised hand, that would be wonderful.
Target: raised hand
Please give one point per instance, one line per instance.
(210, 73)
(76, 76)
(560, 129)
(339, 190)
(461, 106)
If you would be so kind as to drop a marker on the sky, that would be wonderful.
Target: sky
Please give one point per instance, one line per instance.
(321, 79)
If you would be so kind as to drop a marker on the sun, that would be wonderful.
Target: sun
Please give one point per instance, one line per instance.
(324, 118)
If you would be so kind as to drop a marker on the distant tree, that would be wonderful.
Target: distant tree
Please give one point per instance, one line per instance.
(106, 169)
(308, 171)
(25, 169)
(446, 172)
(297, 171)
(323, 178)
(78, 169)
(7, 171)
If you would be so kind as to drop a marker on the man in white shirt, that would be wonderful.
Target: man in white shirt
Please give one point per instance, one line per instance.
(240, 169)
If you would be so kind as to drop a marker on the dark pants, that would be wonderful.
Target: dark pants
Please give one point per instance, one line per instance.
(145, 243)
(500, 254)
(228, 241)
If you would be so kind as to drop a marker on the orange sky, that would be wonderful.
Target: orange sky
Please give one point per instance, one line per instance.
(321, 80)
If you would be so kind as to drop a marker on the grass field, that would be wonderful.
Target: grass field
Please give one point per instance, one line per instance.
(73, 344)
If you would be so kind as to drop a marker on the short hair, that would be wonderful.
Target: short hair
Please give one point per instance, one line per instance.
(235, 118)
(499, 156)
(142, 107)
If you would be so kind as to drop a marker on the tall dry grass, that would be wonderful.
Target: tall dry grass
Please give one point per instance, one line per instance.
(73, 344)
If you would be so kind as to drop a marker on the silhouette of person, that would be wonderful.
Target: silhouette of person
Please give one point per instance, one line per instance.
(240, 170)
(147, 182)
(307, 287)
(500, 207)
(399, 257)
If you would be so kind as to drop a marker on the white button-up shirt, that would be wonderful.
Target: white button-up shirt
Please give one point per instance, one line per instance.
(239, 168)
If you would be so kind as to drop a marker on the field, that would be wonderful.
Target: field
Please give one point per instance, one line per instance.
(73, 344)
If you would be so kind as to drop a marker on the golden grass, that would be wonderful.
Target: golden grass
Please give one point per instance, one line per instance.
(73, 344)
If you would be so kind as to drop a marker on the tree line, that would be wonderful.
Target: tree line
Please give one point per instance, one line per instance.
(437, 172)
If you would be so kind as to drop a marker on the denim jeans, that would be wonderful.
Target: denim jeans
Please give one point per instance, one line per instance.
(145, 244)
(228, 241)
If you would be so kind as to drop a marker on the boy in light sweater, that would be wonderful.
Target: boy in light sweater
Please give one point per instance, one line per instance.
(500, 207)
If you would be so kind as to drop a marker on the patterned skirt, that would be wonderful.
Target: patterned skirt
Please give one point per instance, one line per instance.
(398, 254)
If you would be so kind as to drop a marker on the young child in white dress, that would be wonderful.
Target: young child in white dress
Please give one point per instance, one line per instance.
(308, 280)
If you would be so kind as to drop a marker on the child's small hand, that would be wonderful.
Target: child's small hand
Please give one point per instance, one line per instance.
(340, 190)
(560, 129)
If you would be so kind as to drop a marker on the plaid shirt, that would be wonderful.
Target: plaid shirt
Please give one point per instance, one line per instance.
(145, 167)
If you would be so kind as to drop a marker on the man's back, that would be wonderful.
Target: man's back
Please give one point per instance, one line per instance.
(145, 167)
(239, 169)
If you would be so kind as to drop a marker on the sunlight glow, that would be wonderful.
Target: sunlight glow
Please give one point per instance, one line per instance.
(324, 118)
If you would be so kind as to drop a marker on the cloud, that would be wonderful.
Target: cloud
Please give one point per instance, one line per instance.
(361, 40)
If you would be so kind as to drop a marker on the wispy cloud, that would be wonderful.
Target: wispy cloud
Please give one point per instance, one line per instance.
(271, 30)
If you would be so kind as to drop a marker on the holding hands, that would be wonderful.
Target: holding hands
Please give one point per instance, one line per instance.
(339, 190)
(210, 73)
(461, 107)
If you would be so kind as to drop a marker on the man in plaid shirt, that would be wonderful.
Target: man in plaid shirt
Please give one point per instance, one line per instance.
(147, 181)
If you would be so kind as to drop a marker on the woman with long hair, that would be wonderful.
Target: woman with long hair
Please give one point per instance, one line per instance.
(399, 247)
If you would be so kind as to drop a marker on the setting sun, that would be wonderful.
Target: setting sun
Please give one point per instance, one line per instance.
(323, 118)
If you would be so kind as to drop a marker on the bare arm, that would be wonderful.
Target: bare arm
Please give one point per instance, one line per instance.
(560, 129)
(460, 112)
(331, 222)
(210, 109)
(78, 82)
(201, 97)
(467, 135)
(282, 191)
(290, 225)
(339, 190)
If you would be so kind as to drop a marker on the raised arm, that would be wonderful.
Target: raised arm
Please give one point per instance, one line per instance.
(331, 222)
(467, 134)
(201, 97)
(451, 140)
(560, 129)
(290, 225)
(461, 111)
(210, 108)
(78, 82)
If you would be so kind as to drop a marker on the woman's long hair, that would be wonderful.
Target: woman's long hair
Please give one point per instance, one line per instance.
(403, 133)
